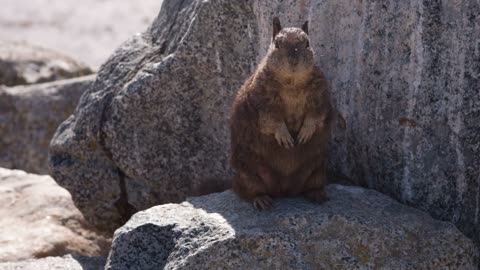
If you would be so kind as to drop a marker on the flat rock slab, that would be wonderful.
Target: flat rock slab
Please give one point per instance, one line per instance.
(38, 219)
(356, 229)
(67, 262)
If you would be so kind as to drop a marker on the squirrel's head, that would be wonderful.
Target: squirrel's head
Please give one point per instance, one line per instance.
(290, 52)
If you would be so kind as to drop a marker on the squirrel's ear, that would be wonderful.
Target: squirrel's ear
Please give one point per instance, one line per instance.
(276, 27)
(305, 27)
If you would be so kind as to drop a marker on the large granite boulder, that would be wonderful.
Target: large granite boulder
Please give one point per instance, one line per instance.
(154, 123)
(405, 80)
(67, 262)
(23, 63)
(39, 219)
(29, 116)
(356, 229)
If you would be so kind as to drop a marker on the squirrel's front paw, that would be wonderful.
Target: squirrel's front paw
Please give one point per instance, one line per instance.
(306, 131)
(283, 137)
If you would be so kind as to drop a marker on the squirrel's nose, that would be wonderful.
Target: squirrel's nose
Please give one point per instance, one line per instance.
(293, 52)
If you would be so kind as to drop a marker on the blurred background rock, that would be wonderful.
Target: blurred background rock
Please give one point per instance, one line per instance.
(87, 30)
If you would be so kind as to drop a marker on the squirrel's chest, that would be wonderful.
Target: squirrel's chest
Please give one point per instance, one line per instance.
(294, 103)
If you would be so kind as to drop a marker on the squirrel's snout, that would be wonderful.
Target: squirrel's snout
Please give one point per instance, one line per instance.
(293, 56)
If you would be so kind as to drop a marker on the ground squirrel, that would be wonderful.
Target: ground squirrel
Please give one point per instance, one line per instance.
(280, 124)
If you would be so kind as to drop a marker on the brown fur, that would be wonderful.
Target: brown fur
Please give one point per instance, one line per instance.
(287, 96)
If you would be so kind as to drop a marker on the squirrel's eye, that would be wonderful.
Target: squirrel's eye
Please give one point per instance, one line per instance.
(308, 44)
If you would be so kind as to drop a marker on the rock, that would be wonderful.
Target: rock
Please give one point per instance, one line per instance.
(67, 262)
(23, 63)
(357, 229)
(154, 124)
(404, 78)
(406, 81)
(29, 116)
(40, 220)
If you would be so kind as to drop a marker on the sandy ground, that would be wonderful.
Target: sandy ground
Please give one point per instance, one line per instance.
(88, 30)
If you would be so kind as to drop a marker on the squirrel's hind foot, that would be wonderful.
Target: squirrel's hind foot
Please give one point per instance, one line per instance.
(317, 195)
(263, 202)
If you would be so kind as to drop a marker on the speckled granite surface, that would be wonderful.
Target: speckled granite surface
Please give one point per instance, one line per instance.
(356, 229)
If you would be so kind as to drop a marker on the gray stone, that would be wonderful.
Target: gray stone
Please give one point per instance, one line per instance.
(67, 262)
(29, 116)
(406, 79)
(154, 124)
(404, 76)
(39, 219)
(357, 229)
(23, 63)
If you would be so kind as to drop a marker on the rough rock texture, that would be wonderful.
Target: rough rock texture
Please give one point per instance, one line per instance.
(29, 116)
(153, 125)
(356, 229)
(38, 219)
(405, 79)
(23, 63)
(67, 262)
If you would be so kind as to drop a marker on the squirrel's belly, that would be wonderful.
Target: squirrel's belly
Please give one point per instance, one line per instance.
(289, 161)
(285, 161)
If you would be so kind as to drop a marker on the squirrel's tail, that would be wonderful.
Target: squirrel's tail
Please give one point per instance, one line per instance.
(211, 185)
